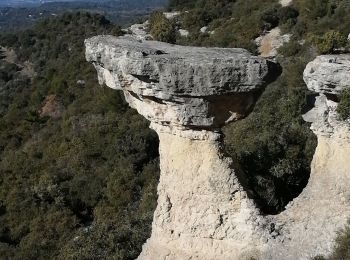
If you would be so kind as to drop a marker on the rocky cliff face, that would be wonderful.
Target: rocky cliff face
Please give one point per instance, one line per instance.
(203, 212)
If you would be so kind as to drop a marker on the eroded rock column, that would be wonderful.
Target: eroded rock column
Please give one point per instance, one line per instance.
(188, 94)
(310, 223)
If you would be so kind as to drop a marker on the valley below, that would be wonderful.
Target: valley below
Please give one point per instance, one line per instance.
(197, 129)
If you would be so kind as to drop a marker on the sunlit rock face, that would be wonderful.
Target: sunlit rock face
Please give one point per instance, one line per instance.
(328, 74)
(203, 212)
(188, 94)
(177, 86)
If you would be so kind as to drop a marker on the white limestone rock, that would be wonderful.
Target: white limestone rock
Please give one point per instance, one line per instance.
(204, 29)
(188, 93)
(139, 31)
(328, 74)
(180, 86)
(285, 3)
(171, 15)
(184, 33)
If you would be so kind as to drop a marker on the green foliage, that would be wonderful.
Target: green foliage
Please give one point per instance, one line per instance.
(273, 145)
(319, 257)
(161, 28)
(343, 108)
(342, 247)
(83, 186)
(330, 42)
(235, 23)
(180, 4)
(87, 176)
(318, 17)
(290, 49)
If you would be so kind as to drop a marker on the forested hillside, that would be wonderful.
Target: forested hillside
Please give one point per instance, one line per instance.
(78, 168)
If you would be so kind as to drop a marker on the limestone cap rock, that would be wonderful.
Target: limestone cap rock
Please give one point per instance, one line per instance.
(328, 74)
(180, 86)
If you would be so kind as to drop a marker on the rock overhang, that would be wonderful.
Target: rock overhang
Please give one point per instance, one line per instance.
(328, 74)
(191, 87)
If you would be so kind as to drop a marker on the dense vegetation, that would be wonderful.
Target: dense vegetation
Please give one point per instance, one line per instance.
(343, 108)
(79, 181)
(80, 184)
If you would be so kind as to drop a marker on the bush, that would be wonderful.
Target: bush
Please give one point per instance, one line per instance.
(290, 49)
(343, 108)
(342, 246)
(330, 42)
(161, 28)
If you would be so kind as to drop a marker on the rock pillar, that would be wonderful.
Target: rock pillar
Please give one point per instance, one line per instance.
(188, 94)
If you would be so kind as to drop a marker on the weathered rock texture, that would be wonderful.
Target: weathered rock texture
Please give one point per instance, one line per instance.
(180, 87)
(328, 74)
(203, 212)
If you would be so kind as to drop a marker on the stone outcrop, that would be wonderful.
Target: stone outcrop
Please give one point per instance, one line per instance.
(177, 86)
(285, 3)
(328, 74)
(203, 212)
(324, 206)
(188, 93)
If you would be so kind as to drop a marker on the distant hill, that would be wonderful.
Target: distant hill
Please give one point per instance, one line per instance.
(15, 14)
(119, 3)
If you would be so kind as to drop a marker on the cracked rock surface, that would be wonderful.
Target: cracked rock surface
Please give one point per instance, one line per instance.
(328, 74)
(178, 86)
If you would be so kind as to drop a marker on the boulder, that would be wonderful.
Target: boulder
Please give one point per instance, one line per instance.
(328, 74)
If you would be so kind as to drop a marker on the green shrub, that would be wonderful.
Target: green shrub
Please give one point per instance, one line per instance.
(342, 246)
(343, 108)
(330, 42)
(82, 186)
(290, 49)
(161, 28)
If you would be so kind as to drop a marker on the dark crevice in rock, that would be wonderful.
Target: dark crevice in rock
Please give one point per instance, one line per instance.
(134, 95)
(275, 70)
(310, 102)
(145, 78)
(154, 99)
(333, 97)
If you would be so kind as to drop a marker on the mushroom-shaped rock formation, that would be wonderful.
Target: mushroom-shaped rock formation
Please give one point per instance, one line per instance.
(310, 222)
(188, 93)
